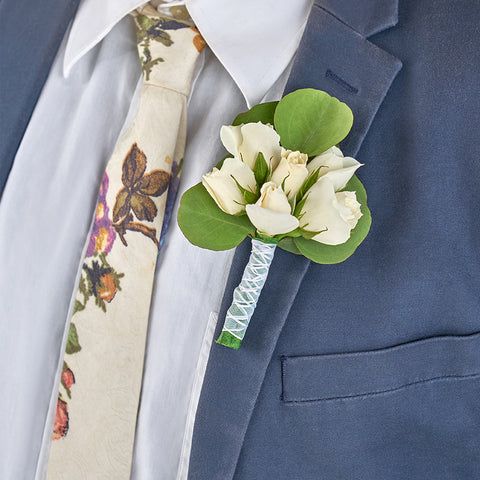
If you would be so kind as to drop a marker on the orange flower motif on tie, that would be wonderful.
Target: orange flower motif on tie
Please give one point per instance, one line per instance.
(198, 41)
(99, 281)
(67, 379)
(107, 289)
(60, 428)
(102, 281)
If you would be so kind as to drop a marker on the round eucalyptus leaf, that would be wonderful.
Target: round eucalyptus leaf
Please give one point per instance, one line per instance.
(263, 112)
(205, 225)
(288, 244)
(311, 121)
(321, 253)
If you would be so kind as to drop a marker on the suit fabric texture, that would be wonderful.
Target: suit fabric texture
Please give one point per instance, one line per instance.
(29, 40)
(370, 368)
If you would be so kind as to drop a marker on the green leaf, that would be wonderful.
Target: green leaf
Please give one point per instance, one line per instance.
(299, 206)
(162, 37)
(263, 112)
(260, 170)
(321, 253)
(72, 342)
(294, 233)
(78, 307)
(311, 121)
(143, 21)
(248, 196)
(205, 225)
(311, 180)
(228, 340)
(82, 286)
(288, 244)
(266, 238)
(292, 201)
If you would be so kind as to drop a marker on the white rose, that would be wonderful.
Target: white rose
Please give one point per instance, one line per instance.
(222, 187)
(350, 208)
(271, 214)
(247, 141)
(335, 166)
(293, 169)
(332, 214)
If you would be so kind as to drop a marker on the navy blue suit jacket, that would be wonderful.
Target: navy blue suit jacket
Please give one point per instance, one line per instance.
(370, 369)
(30, 35)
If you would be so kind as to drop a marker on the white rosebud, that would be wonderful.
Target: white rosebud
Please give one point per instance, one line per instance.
(293, 169)
(247, 141)
(271, 214)
(350, 208)
(222, 187)
(332, 214)
(335, 166)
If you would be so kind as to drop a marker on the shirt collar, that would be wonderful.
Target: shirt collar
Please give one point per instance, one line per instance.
(254, 39)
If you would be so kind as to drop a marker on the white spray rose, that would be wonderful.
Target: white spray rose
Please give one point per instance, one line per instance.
(293, 169)
(247, 141)
(349, 207)
(271, 213)
(333, 214)
(222, 187)
(335, 166)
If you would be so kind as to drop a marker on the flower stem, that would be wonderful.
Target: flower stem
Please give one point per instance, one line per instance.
(246, 295)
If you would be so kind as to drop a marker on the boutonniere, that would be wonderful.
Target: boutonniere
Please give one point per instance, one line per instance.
(285, 184)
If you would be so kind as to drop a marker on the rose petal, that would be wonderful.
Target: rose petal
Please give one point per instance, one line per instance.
(350, 208)
(222, 187)
(273, 198)
(294, 175)
(258, 137)
(323, 212)
(335, 166)
(270, 222)
(231, 137)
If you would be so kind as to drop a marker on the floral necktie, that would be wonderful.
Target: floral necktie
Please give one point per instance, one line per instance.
(102, 370)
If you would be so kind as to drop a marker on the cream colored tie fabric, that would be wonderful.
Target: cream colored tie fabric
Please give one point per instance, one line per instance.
(102, 370)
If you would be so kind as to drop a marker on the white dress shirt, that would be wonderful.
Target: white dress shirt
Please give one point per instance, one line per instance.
(47, 206)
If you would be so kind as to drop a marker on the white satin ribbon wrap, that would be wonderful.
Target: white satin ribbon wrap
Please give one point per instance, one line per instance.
(246, 295)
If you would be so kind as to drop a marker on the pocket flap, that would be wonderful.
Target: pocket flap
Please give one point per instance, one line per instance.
(358, 374)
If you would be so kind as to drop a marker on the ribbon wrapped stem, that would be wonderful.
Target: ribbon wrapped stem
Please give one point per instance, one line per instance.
(246, 295)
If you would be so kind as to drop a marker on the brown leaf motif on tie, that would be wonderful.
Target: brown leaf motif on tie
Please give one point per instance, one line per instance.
(134, 197)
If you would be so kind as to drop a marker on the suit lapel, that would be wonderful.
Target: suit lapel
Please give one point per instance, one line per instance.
(333, 56)
(337, 58)
(30, 34)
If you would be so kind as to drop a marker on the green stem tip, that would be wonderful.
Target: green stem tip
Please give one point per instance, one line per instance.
(228, 340)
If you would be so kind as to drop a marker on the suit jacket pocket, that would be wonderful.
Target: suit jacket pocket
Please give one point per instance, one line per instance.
(317, 378)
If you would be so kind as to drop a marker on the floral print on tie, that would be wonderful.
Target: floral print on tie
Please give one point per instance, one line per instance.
(99, 280)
